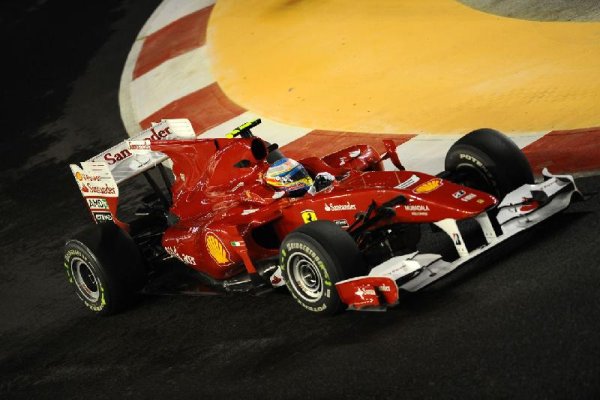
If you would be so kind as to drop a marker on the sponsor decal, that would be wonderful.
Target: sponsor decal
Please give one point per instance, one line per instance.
(416, 207)
(97, 203)
(308, 216)
(182, 257)
(236, 244)
(85, 177)
(342, 223)
(88, 188)
(96, 184)
(429, 186)
(459, 194)
(250, 211)
(102, 217)
(139, 145)
(119, 153)
(468, 197)
(217, 250)
(340, 207)
(480, 201)
(384, 288)
(111, 158)
(158, 135)
(475, 161)
(360, 292)
(408, 183)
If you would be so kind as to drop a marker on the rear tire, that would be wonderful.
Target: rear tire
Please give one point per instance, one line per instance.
(488, 160)
(314, 258)
(106, 268)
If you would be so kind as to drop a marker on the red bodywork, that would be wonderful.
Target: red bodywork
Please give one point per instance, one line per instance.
(229, 218)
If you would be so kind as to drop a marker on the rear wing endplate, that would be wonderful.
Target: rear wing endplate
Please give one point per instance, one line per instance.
(98, 178)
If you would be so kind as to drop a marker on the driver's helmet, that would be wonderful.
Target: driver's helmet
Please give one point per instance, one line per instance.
(289, 176)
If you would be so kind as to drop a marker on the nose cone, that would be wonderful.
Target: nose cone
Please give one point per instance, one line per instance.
(450, 199)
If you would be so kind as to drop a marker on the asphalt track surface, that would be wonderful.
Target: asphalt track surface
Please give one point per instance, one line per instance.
(522, 322)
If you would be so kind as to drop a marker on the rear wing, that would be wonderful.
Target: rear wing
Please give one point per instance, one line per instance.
(98, 178)
(123, 163)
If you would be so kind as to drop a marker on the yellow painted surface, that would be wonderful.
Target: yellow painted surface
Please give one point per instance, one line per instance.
(404, 66)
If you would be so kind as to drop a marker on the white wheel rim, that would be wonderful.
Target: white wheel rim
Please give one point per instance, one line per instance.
(305, 277)
(85, 280)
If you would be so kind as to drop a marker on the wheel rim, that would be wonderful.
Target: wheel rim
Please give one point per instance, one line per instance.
(85, 279)
(305, 277)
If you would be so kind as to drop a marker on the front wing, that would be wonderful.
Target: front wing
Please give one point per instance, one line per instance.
(519, 210)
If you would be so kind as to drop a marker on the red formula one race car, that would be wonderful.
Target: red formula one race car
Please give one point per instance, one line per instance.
(339, 231)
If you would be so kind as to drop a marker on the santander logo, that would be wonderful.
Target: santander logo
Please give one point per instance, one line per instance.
(340, 207)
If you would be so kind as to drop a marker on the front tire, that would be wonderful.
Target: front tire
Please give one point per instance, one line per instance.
(314, 258)
(488, 160)
(105, 267)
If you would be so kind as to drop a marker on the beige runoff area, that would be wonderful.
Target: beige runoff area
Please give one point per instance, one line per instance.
(404, 66)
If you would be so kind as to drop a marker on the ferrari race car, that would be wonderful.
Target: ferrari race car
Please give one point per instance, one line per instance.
(351, 241)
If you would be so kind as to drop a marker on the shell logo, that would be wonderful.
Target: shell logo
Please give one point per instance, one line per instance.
(217, 250)
(428, 186)
(78, 176)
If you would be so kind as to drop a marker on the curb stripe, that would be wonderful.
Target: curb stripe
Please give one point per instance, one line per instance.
(319, 143)
(177, 38)
(426, 153)
(169, 11)
(566, 151)
(171, 81)
(205, 108)
(127, 104)
(271, 131)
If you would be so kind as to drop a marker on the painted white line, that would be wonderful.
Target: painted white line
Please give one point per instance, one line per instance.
(426, 153)
(172, 10)
(269, 130)
(170, 81)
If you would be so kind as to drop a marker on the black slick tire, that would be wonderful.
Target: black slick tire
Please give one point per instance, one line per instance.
(488, 160)
(314, 258)
(105, 266)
